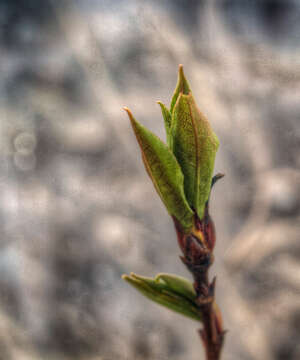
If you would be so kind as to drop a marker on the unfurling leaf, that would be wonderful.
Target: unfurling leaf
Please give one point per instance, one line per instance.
(164, 172)
(195, 146)
(161, 293)
(167, 119)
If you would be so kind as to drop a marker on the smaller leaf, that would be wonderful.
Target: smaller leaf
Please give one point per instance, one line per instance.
(163, 295)
(182, 87)
(167, 119)
(164, 172)
(178, 284)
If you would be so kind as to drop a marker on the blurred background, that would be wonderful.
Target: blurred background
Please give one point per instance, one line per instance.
(77, 209)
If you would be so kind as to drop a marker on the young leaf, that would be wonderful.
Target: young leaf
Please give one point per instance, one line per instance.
(177, 284)
(167, 119)
(164, 172)
(163, 296)
(195, 146)
(182, 87)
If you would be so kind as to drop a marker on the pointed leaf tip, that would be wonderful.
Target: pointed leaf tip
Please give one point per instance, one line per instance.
(129, 113)
(181, 73)
(182, 87)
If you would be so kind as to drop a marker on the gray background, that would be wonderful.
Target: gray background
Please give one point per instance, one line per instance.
(77, 208)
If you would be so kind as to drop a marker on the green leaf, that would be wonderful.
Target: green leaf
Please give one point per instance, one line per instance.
(167, 119)
(195, 146)
(163, 295)
(177, 284)
(182, 87)
(164, 172)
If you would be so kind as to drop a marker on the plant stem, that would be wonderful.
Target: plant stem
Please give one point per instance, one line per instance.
(197, 248)
(212, 334)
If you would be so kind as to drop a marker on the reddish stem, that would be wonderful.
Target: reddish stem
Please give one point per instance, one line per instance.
(197, 248)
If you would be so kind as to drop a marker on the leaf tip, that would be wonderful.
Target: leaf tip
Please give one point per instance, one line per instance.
(160, 104)
(184, 86)
(128, 111)
(131, 118)
(180, 70)
(125, 278)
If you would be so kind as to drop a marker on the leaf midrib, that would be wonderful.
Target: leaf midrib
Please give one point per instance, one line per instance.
(195, 128)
